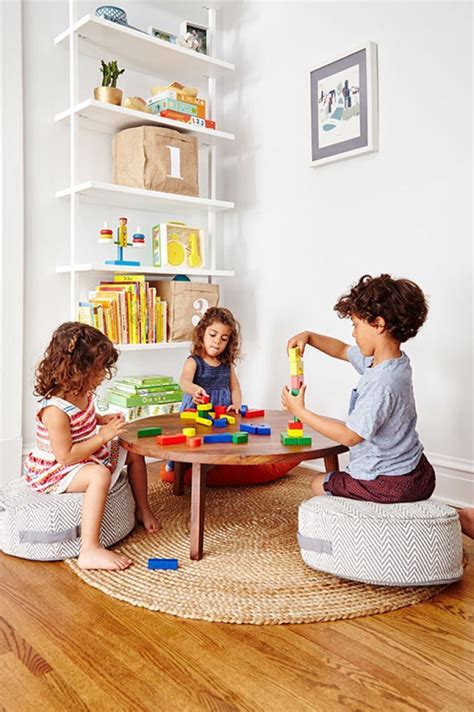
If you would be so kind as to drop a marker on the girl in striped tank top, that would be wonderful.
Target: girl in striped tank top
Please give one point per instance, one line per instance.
(74, 454)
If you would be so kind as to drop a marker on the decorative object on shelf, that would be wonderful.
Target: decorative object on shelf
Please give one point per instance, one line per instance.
(188, 41)
(177, 98)
(156, 158)
(108, 92)
(199, 34)
(187, 303)
(178, 245)
(137, 104)
(344, 106)
(106, 236)
(162, 35)
(115, 14)
(138, 238)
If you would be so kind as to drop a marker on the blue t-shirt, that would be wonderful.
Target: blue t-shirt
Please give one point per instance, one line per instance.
(214, 379)
(382, 411)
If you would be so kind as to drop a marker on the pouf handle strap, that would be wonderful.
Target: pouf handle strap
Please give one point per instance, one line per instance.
(320, 546)
(30, 537)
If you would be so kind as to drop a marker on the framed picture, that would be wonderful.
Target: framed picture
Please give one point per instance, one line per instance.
(199, 32)
(162, 35)
(344, 106)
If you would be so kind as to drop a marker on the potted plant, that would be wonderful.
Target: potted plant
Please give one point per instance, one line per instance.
(108, 92)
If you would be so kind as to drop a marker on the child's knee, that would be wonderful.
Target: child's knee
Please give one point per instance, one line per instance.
(317, 485)
(100, 476)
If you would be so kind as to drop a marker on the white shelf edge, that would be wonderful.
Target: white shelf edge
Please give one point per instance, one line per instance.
(92, 105)
(203, 60)
(151, 195)
(143, 269)
(152, 347)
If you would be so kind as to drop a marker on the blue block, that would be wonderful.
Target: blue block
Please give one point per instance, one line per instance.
(162, 563)
(224, 438)
(252, 429)
(243, 409)
(264, 430)
(220, 423)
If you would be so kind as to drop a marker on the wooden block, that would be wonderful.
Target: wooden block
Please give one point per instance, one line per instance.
(296, 381)
(306, 440)
(210, 414)
(205, 399)
(194, 442)
(294, 353)
(295, 425)
(189, 432)
(254, 414)
(155, 564)
(230, 419)
(171, 439)
(148, 432)
(204, 406)
(188, 415)
(263, 430)
(286, 440)
(218, 438)
(295, 391)
(240, 438)
(248, 428)
(296, 369)
(219, 410)
(220, 423)
(243, 409)
(205, 421)
(295, 433)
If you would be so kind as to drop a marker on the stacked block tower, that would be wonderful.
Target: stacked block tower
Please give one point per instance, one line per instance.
(295, 433)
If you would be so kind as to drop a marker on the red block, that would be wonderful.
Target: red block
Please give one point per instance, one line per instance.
(206, 399)
(220, 410)
(170, 439)
(254, 414)
(194, 442)
(295, 425)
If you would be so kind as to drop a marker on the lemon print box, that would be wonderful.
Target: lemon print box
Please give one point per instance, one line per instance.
(176, 244)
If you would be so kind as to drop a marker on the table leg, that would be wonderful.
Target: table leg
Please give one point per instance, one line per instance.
(198, 501)
(178, 482)
(331, 463)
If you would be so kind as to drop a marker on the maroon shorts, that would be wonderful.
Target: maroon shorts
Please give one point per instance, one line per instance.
(386, 489)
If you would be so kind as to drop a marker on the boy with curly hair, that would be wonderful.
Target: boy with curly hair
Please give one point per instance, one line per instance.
(386, 461)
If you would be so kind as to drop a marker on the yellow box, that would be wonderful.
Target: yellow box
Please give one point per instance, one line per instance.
(204, 406)
(187, 415)
(230, 419)
(294, 354)
(296, 368)
(204, 421)
(295, 433)
(189, 432)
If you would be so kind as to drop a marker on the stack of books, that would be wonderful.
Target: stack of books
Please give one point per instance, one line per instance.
(126, 310)
(141, 396)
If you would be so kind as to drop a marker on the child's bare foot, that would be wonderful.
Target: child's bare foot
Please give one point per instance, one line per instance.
(466, 517)
(148, 519)
(100, 558)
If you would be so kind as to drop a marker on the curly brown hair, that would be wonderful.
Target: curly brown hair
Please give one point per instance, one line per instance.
(232, 351)
(400, 302)
(75, 353)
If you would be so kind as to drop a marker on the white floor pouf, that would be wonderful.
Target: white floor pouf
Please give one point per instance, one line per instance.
(406, 544)
(47, 526)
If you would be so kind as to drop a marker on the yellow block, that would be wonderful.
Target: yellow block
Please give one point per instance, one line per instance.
(189, 432)
(230, 419)
(204, 421)
(296, 368)
(204, 406)
(212, 414)
(187, 415)
(295, 433)
(294, 354)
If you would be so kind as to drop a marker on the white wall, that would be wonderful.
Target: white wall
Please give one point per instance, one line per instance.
(300, 235)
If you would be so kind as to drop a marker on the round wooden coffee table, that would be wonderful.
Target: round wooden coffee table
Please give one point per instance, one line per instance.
(259, 450)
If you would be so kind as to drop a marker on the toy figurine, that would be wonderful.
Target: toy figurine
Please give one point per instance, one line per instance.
(138, 240)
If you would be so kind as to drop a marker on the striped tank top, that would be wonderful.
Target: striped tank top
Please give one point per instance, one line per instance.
(41, 470)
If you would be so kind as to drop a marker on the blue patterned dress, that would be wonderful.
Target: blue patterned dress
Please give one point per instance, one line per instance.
(214, 379)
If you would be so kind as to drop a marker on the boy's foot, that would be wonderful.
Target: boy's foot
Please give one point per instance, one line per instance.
(148, 519)
(466, 517)
(100, 558)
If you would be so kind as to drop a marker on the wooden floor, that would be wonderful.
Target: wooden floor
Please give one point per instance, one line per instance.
(66, 646)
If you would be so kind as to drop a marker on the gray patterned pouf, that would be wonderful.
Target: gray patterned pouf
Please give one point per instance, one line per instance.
(407, 544)
(47, 526)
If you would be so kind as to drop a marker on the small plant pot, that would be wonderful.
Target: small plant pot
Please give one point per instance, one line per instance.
(111, 95)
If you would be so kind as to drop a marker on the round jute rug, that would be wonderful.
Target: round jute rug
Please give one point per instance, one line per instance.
(252, 570)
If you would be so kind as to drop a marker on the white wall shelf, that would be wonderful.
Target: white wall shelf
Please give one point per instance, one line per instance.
(144, 269)
(141, 199)
(153, 347)
(142, 51)
(107, 118)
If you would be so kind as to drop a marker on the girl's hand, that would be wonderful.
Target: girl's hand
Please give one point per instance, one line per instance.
(115, 426)
(199, 394)
(299, 340)
(293, 404)
(233, 407)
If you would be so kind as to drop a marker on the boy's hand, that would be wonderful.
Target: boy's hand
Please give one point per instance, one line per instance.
(199, 394)
(293, 404)
(299, 340)
(115, 426)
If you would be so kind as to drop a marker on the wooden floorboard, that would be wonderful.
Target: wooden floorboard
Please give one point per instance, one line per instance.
(67, 646)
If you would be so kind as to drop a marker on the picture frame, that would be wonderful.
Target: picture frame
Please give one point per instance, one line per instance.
(344, 106)
(200, 32)
(162, 35)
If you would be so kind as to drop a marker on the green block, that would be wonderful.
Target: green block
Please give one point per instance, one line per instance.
(148, 432)
(295, 391)
(305, 440)
(286, 440)
(240, 438)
